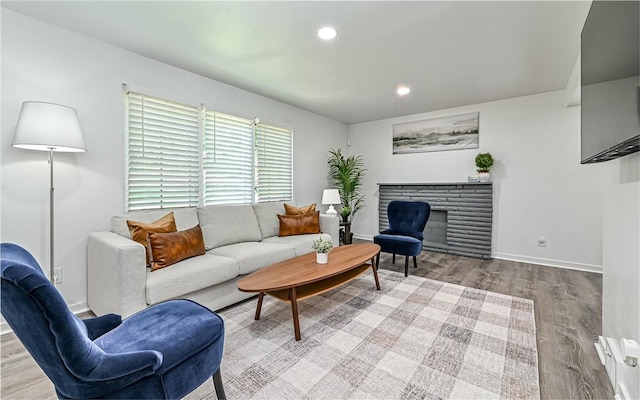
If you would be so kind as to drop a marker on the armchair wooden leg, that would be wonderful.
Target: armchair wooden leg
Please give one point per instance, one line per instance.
(217, 383)
(406, 266)
(377, 260)
(415, 263)
(393, 260)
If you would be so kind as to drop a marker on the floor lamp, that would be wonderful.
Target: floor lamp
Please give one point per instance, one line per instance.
(48, 127)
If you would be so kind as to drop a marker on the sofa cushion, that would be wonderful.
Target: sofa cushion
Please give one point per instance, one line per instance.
(301, 243)
(169, 248)
(299, 224)
(290, 209)
(267, 214)
(185, 217)
(252, 256)
(139, 231)
(188, 276)
(222, 225)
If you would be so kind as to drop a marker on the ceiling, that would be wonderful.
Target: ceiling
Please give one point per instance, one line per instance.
(450, 53)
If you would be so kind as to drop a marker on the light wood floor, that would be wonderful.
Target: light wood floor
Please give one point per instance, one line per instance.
(567, 310)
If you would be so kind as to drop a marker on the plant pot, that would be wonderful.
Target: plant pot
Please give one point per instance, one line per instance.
(345, 219)
(484, 176)
(322, 258)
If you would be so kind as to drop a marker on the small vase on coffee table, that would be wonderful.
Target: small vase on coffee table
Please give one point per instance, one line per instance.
(322, 258)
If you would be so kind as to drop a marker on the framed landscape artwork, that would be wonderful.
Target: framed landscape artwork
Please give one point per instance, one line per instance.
(438, 134)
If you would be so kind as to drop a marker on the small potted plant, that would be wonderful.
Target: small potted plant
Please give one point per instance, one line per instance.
(345, 212)
(484, 162)
(322, 248)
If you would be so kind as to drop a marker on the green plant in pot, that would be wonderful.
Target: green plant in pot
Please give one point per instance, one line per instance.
(322, 248)
(484, 162)
(346, 174)
(345, 212)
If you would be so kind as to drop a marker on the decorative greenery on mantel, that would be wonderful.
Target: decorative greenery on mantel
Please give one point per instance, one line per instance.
(484, 162)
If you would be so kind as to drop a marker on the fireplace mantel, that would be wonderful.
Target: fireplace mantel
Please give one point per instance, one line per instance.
(435, 184)
(461, 219)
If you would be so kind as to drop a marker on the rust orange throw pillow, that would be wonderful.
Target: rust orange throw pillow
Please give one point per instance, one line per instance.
(293, 210)
(299, 224)
(140, 230)
(169, 248)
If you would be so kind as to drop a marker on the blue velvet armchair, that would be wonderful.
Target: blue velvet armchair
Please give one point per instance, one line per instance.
(404, 236)
(163, 352)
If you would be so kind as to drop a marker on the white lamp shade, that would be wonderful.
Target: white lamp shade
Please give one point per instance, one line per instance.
(331, 196)
(47, 126)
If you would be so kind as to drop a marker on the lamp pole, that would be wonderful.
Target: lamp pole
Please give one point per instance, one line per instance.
(52, 269)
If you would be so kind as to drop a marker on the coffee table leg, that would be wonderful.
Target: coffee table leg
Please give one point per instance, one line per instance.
(259, 307)
(294, 310)
(375, 272)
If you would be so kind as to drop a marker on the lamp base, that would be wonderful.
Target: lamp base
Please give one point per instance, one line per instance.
(331, 210)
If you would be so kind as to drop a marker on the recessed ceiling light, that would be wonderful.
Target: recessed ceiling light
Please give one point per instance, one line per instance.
(327, 33)
(403, 90)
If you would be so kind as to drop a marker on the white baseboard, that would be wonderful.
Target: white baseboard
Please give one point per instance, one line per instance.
(75, 308)
(526, 259)
(549, 262)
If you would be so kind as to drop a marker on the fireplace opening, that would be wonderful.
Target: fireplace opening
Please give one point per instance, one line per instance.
(436, 230)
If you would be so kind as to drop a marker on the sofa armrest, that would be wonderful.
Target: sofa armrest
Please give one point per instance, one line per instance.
(117, 274)
(331, 224)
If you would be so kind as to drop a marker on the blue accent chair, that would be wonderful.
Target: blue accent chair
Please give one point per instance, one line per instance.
(407, 220)
(162, 352)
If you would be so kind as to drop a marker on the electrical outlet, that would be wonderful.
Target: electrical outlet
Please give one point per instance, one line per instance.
(57, 275)
(542, 241)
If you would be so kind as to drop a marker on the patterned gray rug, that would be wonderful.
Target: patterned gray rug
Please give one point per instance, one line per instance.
(414, 339)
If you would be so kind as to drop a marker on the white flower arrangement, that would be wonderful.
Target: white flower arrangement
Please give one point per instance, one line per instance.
(322, 246)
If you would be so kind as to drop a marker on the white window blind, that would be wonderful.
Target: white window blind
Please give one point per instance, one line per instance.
(181, 155)
(274, 167)
(227, 159)
(163, 153)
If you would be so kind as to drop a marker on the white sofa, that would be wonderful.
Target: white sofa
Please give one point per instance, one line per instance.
(238, 240)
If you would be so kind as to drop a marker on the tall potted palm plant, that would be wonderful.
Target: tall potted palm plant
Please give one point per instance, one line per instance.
(346, 174)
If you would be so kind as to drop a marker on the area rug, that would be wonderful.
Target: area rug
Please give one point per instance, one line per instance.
(414, 339)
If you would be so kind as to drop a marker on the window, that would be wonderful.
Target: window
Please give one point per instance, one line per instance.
(181, 155)
(228, 159)
(163, 154)
(274, 168)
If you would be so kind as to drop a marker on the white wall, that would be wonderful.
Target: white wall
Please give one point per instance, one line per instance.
(45, 63)
(621, 258)
(540, 188)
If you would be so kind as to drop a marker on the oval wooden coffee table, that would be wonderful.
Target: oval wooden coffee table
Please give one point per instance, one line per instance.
(301, 277)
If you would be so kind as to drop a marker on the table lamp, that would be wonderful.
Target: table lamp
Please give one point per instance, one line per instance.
(331, 197)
